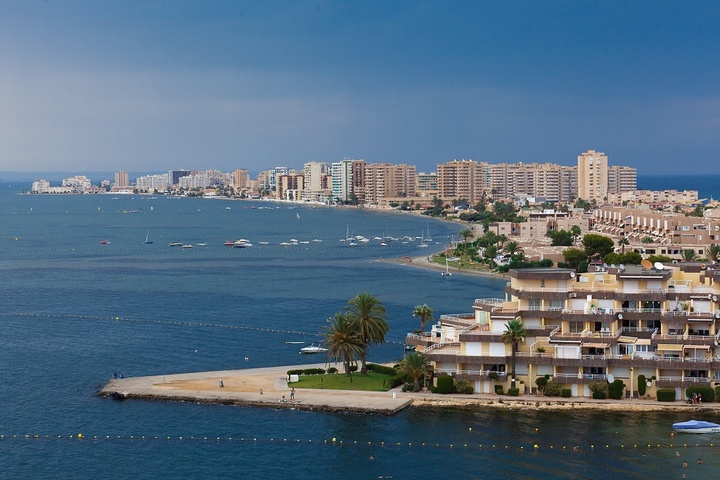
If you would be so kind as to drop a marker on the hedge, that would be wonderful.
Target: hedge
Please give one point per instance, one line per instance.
(566, 393)
(599, 395)
(666, 395)
(445, 384)
(499, 389)
(615, 389)
(708, 394)
(382, 369)
(513, 392)
(307, 371)
(552, 389)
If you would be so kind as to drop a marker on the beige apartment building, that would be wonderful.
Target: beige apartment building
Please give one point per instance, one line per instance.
(592, 175)
(240, 178)
(466, 179)
(621, 179)
(386, 180)
(654, 198)
(668, 233)
(652, 328)
(549, 181)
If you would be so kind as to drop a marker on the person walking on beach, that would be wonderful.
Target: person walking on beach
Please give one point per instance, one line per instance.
(292, 394)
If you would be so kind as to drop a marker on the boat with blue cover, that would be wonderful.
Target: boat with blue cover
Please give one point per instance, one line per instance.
(696, 426)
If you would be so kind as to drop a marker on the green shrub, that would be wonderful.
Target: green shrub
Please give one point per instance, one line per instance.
(382, 369)
(717, 393)
(615, 389)
(397, 380)
(599, 395)
(294, 372)
(408, 387)
(493, 375)
(445, 384)
(541, 382)
(314, 371)
(552, 389)
(469, 390)
(499, 389)
(666, 395)
(513, 392)
(566, 393)
(642, 385)
(433, 389)
(332, 370)
(598, 387)
(708, 394)
(462, 385)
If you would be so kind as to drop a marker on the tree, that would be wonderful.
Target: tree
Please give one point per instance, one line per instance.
(514, 334)
(560, 238)
(689, 255)
(467, 233)
(370, 319)
(425, 313)
(415, 365)
(342, 341)
(713, 252)
(597, 245)
(513, 249)
(575, 231)
(622, 241)
(573, 257)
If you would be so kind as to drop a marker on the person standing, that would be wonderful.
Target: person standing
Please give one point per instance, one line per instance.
(292, 394)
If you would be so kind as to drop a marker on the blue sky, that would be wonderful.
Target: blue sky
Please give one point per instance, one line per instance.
(155, 85)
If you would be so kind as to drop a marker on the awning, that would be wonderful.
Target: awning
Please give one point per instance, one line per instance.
(643, 341)
(623, 339)
(595, 345)
(670, 347)
(696, 347)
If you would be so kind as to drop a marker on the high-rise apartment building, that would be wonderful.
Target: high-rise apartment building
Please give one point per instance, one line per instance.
(592, 175)
(240, 178)
(426, 184)
(621, 179)
(121, 179)
(386, 180)
(289, 186)
(342, 180)
(462, 179)
(316, 185)
(549, 181)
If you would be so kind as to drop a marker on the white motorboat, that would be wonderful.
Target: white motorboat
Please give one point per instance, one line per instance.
(447, 271)
(315, 347)
(696, 426)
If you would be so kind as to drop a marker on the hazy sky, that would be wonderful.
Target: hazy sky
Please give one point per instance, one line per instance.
(155, 85)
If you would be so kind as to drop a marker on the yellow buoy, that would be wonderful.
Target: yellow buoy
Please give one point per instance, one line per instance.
(80, 435)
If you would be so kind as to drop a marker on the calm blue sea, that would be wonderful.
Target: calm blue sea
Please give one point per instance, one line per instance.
(72, 311)
(708, 186)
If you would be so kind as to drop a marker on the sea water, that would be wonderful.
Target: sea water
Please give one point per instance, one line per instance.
(72, 311)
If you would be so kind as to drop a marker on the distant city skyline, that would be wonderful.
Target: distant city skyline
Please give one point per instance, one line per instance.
(90, 86)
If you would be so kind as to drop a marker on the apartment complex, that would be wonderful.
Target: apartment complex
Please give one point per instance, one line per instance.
(660, 325)
(592, 170)
(240, 178)
(386, 180)
(121, 179)
(548, 181)
(466, 179)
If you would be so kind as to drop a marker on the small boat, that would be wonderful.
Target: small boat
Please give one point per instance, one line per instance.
(447, 272)
(202, 244)
(104, 242)
(188, 245)
(263, 243)
(409, 348)
(147, 239)
(315, 347)
(175, 244)
(696, 426)
(229, 243)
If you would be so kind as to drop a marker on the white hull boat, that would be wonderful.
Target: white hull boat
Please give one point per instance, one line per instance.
(696, 426)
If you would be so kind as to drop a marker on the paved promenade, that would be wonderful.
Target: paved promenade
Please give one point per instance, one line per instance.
(243, 387)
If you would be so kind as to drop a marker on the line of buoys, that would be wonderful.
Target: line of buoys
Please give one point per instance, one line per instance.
(339, 442)
(170, 322)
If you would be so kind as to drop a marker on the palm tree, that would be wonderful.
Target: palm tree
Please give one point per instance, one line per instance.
(689, 255)
(425, 313)
(513, 249)
(514, 334)
(342, 341)
(713, 252)
(622, 241)
(415, 365)
(467, 233)
(370, 319)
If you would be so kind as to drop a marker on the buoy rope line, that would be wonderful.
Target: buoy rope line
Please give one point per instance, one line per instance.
(337, 442)
(170, 322)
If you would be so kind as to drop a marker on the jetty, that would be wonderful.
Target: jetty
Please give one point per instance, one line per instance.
(257, 387)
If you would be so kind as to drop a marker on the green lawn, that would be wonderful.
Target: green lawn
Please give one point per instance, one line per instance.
(373, 382)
